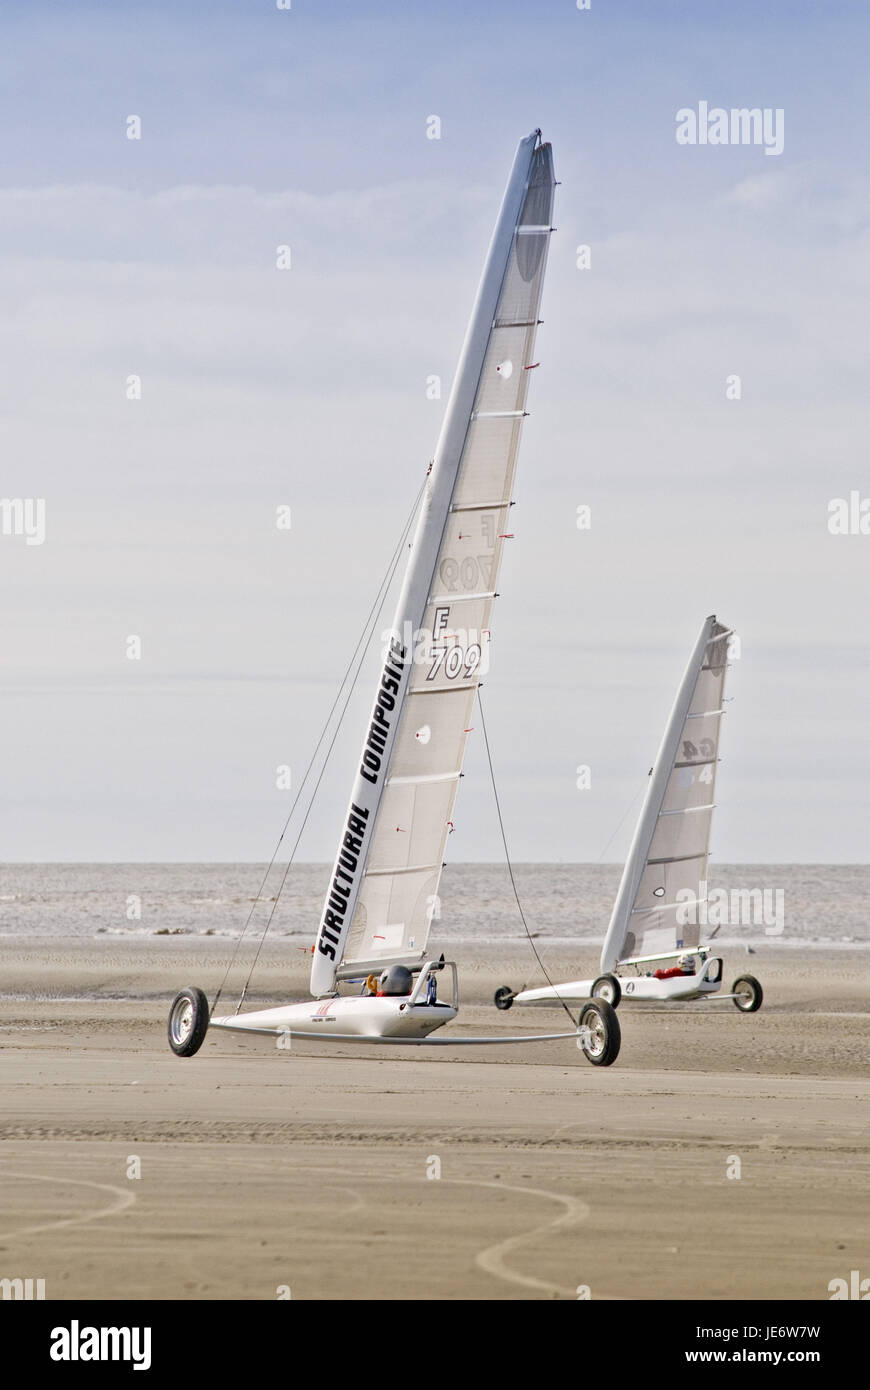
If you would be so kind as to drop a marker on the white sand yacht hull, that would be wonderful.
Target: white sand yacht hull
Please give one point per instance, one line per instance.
(703, 984)
(643, 987)
(406, 1019)
(359, 1017)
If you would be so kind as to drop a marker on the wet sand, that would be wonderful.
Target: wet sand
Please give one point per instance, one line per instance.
(264, 1170)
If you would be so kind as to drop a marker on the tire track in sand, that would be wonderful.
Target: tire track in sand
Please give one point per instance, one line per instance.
(492, 1258)
(123, 1200)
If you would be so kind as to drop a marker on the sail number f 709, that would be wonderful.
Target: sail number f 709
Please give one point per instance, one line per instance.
(455, 657)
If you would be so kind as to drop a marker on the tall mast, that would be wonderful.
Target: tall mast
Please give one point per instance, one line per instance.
(667, 862)
(397, 675)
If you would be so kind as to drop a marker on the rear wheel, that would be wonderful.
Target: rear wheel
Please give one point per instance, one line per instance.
(503, 997)
(601, 1038)
(188, 1022)
(607, 987)
(748, 994)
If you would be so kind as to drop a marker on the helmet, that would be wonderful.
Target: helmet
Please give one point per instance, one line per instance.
(687, 963)
(397, 979)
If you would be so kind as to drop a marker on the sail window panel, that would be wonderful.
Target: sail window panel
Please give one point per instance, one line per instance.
(411, 824)
(392, 915)
(708, 691)
(662, 883)
(689, 787)
(676, 836)
(432, 734)
(487, 469)
(647, 940)
(521, 292)
(717, 648)
(538, 202)
(700, 738)
(504, 379)
(662, 888)
(458, 648)
(681, 922)
(471, 552)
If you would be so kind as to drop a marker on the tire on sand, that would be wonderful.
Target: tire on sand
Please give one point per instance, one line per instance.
(601, 1047)
(503, 997)
(749, 992)
(188, 1022)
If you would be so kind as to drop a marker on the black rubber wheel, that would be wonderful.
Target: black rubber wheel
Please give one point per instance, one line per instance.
(188, 1022)
(602, 1045)
(607, 987)
(750, 994)
(503, 997)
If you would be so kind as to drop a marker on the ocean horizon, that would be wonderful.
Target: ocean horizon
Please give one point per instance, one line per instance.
(783, 904)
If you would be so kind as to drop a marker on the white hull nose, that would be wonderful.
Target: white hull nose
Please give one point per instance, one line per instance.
(640, 987)
(364, 1016)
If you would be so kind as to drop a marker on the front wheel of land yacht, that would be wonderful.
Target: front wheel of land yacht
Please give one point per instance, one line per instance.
(188, 1022)
(748, 994)
(503, 997)
(607, 987)
(602, 1041)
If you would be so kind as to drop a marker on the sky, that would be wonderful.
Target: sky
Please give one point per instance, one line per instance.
(306, 388)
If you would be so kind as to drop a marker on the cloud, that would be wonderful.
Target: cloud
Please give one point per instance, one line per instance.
(262, 386)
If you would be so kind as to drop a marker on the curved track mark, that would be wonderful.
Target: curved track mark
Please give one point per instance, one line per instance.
(492, 1258)
(123, 1200)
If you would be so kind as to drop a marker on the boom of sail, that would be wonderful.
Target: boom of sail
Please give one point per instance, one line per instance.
(383, 889)
(664, 879)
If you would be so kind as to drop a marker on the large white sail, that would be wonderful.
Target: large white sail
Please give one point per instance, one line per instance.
(384, 884)
(665, 875)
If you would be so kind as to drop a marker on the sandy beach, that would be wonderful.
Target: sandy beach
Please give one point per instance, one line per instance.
(265, 1170)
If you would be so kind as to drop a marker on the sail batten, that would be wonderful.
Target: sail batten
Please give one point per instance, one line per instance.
(408, 869)
(664, 880)
(384, 889)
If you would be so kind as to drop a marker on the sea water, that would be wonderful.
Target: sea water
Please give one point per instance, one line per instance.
(821, 904)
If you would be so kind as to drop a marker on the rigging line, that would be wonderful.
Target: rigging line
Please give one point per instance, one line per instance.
(575, 1022)
(363, 641)
(320, 776)
(628, 812)
(365, 638)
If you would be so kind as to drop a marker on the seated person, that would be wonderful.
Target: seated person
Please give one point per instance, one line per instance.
(685, 967)
(395, 980)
